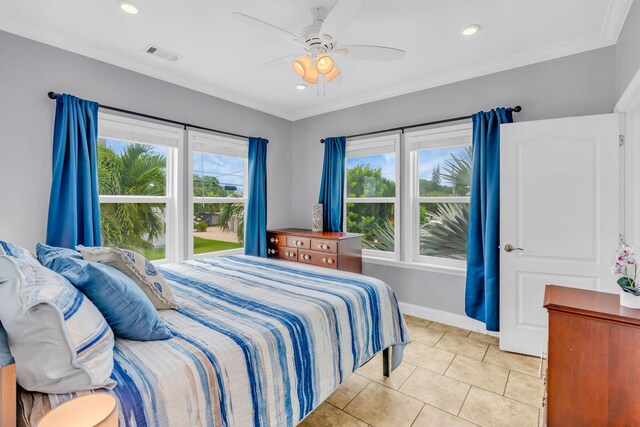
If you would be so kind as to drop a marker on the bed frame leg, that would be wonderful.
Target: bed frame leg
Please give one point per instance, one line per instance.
(386, 362)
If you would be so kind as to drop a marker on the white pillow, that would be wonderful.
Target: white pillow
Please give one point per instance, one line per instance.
(58, 338)
(138, 268)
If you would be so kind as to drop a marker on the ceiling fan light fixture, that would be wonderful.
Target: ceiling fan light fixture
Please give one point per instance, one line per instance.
(129, 7)
(470, 30)
(332, 74)
(305, 69)
(301, 86)
(325, 64)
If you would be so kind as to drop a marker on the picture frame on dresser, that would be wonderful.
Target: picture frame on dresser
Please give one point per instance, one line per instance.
(335, 250)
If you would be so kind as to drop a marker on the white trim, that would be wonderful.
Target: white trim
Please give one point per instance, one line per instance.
(446, 317)
(369, 199)
(613, 24)
(433, 268)
(616, 16)
(630, 99)
(121, 128)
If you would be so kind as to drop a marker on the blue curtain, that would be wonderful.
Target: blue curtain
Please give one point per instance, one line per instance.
(255, 242)
(482, 297)
(74, 206)
(332, 185)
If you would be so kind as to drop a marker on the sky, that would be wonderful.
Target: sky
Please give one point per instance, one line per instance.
(428, 159)
(228, 170)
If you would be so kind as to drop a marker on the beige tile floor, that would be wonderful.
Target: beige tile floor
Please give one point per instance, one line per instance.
(449, 377)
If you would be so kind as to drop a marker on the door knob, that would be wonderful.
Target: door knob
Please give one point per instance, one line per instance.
(509, 248)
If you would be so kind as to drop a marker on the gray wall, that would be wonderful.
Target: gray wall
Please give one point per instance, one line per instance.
(572, 86)
(628, 50)
(30, 69)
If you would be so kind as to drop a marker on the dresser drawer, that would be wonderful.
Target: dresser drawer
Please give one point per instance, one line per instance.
(277, 239)
(283, 252)
(330, 246)
(298, 242)
(318, 258)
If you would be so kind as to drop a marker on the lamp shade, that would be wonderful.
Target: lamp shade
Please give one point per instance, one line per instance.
(305, 69)
(94, 410)
(324, 64)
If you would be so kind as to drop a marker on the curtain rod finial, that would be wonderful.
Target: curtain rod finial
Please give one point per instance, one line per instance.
(52, 95)
(517, 108)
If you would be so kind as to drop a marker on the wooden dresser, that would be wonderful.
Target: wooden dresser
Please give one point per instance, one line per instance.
(341, 251)
(593, 376)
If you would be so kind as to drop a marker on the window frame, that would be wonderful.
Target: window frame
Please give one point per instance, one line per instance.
(199, 141)
(126, 129)
(415, 142)
(370, 147)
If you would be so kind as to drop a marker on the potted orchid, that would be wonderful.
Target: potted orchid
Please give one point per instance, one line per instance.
(626, 265)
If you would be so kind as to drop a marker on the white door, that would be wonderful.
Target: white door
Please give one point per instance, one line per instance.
(559, 211)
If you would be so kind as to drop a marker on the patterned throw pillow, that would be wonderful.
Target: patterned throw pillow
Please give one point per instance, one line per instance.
(58, 338)
(137, 268)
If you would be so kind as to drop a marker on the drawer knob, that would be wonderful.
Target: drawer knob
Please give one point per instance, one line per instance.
(272, 240)
(324, 260)
(330, 260)
(306, 257)
(286, 253)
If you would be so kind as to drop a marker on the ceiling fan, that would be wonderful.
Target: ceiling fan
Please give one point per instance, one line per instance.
(319, 43)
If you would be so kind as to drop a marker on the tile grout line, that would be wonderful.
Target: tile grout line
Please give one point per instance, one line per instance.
(342, 410)
(506, 383)
(419, 412)
(463, 402)
(357, 394)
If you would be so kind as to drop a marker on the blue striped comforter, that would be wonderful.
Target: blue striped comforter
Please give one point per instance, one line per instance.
(257, 342)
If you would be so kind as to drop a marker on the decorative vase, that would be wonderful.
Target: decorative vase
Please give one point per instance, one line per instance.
(629, 300)
(316, 217)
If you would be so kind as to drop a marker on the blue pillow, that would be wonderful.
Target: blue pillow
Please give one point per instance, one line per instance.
(122, 303)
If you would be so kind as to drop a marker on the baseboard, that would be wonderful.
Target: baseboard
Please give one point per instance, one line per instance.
(445, 317)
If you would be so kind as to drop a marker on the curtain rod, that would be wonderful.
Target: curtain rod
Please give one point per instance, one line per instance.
(515, 109)
(54, 95)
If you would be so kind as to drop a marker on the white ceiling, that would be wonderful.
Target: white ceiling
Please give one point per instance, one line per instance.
(220, 53)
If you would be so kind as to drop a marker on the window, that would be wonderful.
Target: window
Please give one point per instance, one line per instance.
(421, 219)
(371, 194)
(137, 181)
(440, 169)
(219, 181)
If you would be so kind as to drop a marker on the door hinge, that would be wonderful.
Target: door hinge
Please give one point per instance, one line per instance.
(620, 140)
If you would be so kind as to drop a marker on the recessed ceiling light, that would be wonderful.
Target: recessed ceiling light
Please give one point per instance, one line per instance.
(301, 86)
(129, 7)
(470, 30)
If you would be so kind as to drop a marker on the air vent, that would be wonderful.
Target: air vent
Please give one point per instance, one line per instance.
(161, 53)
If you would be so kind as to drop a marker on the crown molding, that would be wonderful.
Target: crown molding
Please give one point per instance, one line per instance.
(616, 17)
(613, 24)
(516, 61)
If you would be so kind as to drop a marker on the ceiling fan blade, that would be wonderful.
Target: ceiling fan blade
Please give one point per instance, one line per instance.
(265, 26)
(370, 53)
(274, 63)
(340, 17)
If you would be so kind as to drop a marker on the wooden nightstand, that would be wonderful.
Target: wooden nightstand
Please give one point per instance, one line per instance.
(594, 343)
(340, 251)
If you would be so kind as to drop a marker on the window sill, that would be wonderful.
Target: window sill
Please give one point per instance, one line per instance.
(434, 268)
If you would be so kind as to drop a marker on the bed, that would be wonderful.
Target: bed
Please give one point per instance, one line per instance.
(256, 342)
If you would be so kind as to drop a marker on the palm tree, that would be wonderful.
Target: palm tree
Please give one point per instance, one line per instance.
(228, 212)
(445, 233)
(137, 171)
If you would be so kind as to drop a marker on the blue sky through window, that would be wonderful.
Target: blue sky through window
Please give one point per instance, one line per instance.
(430, 159)
(386, 162)
(229, 170)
